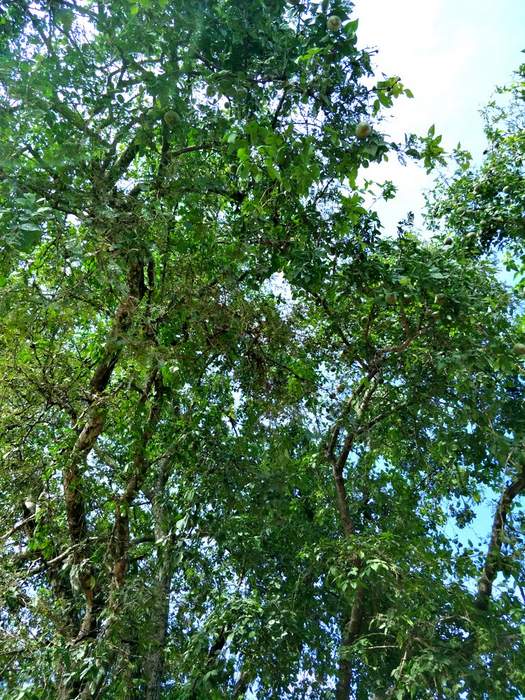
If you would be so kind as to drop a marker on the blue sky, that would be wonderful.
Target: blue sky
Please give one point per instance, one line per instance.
(451, 54)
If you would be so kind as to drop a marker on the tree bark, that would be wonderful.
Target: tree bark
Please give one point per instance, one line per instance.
(352, 625)
(154, 660)
(349, 635)
(73, 471)
(93, 427)
(492, 560)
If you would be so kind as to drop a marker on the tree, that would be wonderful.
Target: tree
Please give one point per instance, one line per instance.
(485, 203)
(236, 419)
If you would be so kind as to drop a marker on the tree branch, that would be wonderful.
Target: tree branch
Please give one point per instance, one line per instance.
(349, 636)
(492, 560)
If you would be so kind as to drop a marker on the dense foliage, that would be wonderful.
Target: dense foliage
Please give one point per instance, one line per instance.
(242, 428)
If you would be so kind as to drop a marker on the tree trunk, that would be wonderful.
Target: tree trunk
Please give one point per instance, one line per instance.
(350, 633)
(344, 678)
(491, 565)
(154, 659)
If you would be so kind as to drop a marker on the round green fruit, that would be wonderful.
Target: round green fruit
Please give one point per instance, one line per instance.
(363, 130)
(170, 117)
(519, 348)
(333, 23)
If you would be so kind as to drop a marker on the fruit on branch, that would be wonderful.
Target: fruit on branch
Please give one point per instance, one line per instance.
(29, 506)
(363, 130)
(170, 118)
(333, 23)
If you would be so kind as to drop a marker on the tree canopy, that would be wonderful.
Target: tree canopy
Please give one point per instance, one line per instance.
(242, 427)
(486, 202)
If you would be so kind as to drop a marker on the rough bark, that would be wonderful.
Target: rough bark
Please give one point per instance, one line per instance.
(241, 686)
(493, 558)
(352, 623)
(154, 662)
(73, 472)
(93, 427)
(349, 635)
(119, 544)
(154, 658)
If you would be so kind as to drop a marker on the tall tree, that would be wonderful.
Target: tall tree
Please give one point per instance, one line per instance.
(236, 419)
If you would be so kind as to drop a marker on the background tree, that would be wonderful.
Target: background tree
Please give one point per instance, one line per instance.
(235, 419)
(485, 203)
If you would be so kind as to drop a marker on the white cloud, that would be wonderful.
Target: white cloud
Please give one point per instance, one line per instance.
(452, 55)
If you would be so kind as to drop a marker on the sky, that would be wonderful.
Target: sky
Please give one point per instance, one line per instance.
(451, 54)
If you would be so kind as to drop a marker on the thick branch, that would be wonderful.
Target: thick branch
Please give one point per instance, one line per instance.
(120, 535)
(122, 164)
(93, 427)
(17, 526)
(350, 635)
(339, 463)
(342, 503)
(492, 560)
(154, 658)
